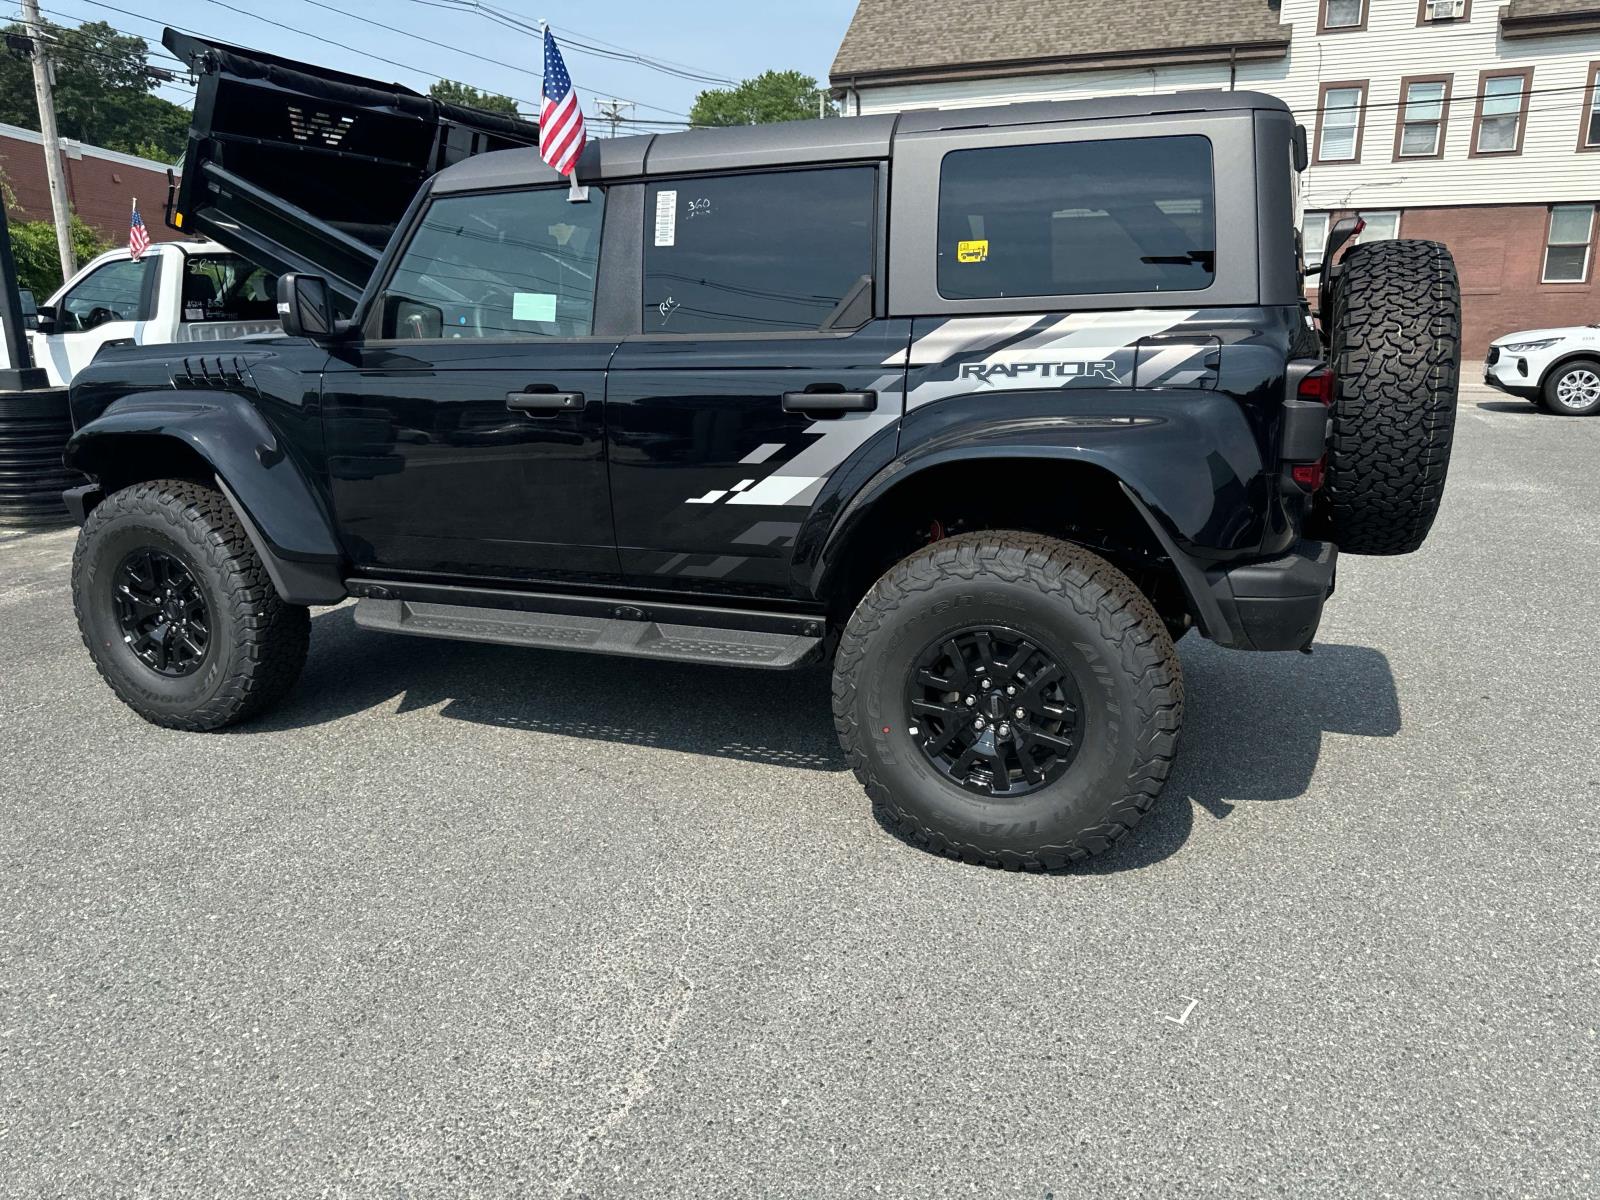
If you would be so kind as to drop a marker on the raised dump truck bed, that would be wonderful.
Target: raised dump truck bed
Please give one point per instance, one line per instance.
(300, 168)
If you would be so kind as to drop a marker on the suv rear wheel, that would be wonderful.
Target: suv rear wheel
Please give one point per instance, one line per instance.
(1395, 343)
(177, 610)
(1008, 699)
(1573, 389)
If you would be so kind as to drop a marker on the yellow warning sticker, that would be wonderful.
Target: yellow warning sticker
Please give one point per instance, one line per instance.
(972, 252)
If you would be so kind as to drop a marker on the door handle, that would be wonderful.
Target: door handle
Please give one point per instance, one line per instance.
(544, 403)
(829, 403)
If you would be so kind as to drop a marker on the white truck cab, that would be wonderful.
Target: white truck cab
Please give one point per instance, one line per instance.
(175, 292)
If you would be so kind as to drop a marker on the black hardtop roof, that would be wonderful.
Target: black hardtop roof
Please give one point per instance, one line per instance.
(813, 142)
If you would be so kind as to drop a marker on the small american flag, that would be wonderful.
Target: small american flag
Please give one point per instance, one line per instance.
(138, 235)
(561, 133)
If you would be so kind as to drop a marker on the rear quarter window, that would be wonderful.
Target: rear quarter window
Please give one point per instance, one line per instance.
(1077, 218)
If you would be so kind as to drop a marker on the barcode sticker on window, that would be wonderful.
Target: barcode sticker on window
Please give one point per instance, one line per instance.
(666, 218)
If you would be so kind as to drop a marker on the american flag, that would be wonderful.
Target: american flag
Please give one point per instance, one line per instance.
(561, 134)
(138, 235)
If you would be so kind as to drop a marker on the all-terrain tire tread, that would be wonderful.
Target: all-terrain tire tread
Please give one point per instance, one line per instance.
(1072, 575)
(273, 637)
(1396, 343)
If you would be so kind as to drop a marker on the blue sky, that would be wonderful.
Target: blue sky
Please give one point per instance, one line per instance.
(729, 38)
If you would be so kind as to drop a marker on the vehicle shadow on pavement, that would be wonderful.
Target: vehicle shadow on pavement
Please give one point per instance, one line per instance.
(781, 718)
(1253, 731)
(1526, 408)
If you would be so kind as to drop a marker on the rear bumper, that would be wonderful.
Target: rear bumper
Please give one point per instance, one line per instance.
(1272, 605)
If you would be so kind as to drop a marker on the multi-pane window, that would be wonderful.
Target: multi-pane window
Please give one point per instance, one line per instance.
(1342, 14)
(1314, 237)
(1422, 118)
(1500, 114)
(770, 252)
(1339, 138)
(1380, 227)
(1566, 251)
(1077, 218)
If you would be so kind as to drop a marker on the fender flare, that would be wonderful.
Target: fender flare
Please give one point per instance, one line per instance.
(286, 520)
(1190, 571)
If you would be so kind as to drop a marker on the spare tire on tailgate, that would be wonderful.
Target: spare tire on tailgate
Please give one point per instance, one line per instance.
(1395, 344)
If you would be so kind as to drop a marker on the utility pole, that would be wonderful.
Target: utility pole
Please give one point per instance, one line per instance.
(614, 111)
(53, 170)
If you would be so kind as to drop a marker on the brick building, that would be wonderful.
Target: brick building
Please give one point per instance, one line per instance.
(1472, 122)
(101, 184)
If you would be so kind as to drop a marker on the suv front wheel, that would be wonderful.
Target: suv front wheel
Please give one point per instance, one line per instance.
(1573, 389)
(1008, 699)
(177, 610)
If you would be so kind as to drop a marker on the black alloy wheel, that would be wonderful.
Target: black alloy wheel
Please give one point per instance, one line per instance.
(995, 712)
(162, 612)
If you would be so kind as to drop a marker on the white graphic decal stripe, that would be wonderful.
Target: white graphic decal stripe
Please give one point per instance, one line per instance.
(761, 453)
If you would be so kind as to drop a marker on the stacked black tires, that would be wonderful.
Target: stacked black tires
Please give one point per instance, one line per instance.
(34, 428)
(1395, 347)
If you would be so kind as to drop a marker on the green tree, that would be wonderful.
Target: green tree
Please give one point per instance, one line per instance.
(770, 96)
(103, 94)
(33, 245)
(452, 92)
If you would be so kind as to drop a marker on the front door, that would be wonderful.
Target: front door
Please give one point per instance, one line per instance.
(109, 304)
(760, 371)
(467, 436)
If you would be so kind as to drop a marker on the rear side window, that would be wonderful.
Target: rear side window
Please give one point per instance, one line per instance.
(223, 287)
(503, 265)
(1077, 218)
(764, 253)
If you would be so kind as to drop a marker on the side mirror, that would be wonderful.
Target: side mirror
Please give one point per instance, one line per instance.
(43, 318)
(306, 308)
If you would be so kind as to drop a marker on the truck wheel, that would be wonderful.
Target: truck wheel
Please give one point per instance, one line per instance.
(1008, 699)
(177, 611)
(1395, 341)
(1573, 389)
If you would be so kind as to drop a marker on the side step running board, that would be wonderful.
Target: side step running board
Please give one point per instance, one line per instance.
(600, 635)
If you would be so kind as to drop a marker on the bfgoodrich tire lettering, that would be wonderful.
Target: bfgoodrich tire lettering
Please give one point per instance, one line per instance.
(256, 645)
(1091, 618)
(1395, 340)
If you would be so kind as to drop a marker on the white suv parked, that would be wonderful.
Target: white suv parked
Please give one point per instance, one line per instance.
(1557, 368)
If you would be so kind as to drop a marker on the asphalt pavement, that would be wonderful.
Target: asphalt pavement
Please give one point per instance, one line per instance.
(467, 921)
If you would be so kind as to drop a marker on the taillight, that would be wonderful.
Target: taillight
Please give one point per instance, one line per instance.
(1318, 385)
(1311, 475)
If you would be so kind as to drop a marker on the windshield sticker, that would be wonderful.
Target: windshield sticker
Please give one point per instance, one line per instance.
(666, 218)
(533, 306)
(972, 252)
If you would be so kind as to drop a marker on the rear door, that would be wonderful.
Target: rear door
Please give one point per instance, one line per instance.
(761, 368)
(467, 437)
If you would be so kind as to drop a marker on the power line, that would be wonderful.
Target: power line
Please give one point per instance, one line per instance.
(150, 50)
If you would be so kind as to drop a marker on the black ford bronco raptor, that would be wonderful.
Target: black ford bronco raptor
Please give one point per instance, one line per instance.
(985, 409)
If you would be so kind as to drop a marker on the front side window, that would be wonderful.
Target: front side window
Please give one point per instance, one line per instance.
(499, 265)
(1566, 251)
(223, 287)
(1339, 139)
(1077, 218)
(117, 291)
(1343, 14)
(771, 252)
(1500, 114)
(1422, 118)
